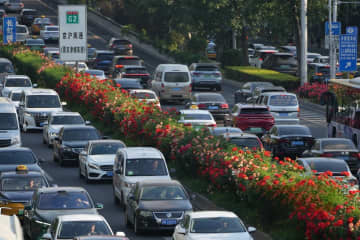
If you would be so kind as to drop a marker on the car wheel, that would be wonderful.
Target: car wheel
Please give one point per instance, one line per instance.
(88, 180)
(137, 231)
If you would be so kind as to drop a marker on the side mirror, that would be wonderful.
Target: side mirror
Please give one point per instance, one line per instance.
(63, 103)
(46, 236)
(181, 230)
(35, 85)
(87, 122)
(99, 206)
(251, 229)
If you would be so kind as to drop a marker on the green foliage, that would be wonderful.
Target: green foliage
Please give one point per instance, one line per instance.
(232, 57)
(51, 76)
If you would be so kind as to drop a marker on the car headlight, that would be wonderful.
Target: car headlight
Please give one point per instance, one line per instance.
(145, 213)
(15, 140)
(129, 185)
(93, 166)
(53, 134)
(67, 149)
(28, 114)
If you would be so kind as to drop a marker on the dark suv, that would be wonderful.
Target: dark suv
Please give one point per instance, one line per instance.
(281, 62)
(103, 60)
(121, 46)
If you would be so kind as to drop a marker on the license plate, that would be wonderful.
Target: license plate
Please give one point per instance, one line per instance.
(256, 130)
(168, 222)
(109, 174)
(176, 89)
(283, 114)
(213, 107)
(42, 124)
(297, 143)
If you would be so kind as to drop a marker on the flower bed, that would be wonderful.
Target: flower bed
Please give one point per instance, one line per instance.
(315, 205)
(312, 91)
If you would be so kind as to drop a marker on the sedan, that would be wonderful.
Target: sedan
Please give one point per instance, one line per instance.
(247, 90)
(158, 205)
(197, 118)
(35, 44)
(220, 131)
(244, 140)
(128, 83)
(212, 225)
(205, 75)
(281, 62)
(341, 148)
(288, 140)
(50, 33)
(137, 72)
(146, 95)
(98, 74)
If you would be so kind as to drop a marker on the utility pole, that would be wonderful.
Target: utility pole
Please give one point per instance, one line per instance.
(333, 51)
(303, 43)
(331, 43)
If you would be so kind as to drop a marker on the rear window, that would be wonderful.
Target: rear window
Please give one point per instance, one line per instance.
(17, 82)
(35, 42)
(144, 95)
(53, 29)
(197, 116)
(105, 56)
(80, 135)
(17, 157)
(20, 29)
(129, 84)
(176, 77)
(324, 70)
(338, 145)
(210, 98)
(8, 121)
(30, 12)
(207, 68)
(121, 42)
(6, 68)
(246, 142)
(289, 130)
(129, 61)
(283, 100)
(15, 96)
(322, 166)
(254, 111)
(136, 71)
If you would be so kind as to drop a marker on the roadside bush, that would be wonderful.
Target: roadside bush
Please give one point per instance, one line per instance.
(232, 57)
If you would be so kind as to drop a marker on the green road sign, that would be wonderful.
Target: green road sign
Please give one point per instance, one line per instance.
(72, 17)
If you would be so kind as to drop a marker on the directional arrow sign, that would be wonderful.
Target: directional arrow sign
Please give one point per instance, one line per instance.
(348, 52)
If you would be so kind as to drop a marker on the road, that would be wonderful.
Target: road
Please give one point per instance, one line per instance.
(102, 192)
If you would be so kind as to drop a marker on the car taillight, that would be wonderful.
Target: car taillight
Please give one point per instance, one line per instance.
(187, 124)
(201, 105)
(212, 125)
(326, 155)
(217, 74)
(318, 74)
(224, 105)
(298, 110)
(130, 45)
(260, 59)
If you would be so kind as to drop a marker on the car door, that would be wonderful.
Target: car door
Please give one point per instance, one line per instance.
(185, 224)
(83, 157)
(21, 108)
(133, 202)
(57, 143)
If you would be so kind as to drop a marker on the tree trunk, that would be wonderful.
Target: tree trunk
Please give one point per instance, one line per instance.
(298, 33)
(244, 46)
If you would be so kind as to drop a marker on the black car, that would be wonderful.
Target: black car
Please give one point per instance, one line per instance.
(215, 103)
(341, 148)
(121, 46)
(48, 203)
(138, 72)
(247, 90)
(27, 16)
(128, 83)
(120, 62)
(157, 205)
(103, 60)
(71, 141)
(288, 140)
(281, 62)
(10, 158)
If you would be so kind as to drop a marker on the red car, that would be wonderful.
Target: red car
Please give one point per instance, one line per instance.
(252, 118)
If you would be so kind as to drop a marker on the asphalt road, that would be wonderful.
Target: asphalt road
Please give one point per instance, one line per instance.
(102, 192)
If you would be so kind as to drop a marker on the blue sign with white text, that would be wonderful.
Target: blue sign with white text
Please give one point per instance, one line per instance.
(352, 30)
(348, 52)
(336, 28)
(9, 29)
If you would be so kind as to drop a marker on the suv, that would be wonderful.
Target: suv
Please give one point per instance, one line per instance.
(103, 60)
(120, 62)
(205, 75)
(35, 107)
(27, 16)
(281, 62)
(246, 91)
(121, 46)
(9, 124)
(16, 82)
(138, 72)
(136, 164)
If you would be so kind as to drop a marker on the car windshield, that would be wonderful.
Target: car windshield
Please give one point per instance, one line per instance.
(338, 145)
(176, 77)
(283, 100)
(15, 96)
(136, 71)
(145, 167)
(197, 116)
(72, 229)
(293, 130)
(323, 166)
(64, 200)
(43, 21)
(30, 12)
(17, 82)
(67, 120)
(129, 84)
(207, 69)
(217, 225)
(144, 95)
(8, 121)
(20, 29)
(105, 56)
(91, 52)
(243, 142)
(95, 72)
(80, 135)
(43, 101)
(52, 29)
(210, 98)
(222, 130)
(35, 42)
(156, 193)
(254, 111)
(105, 148)
(121, 42)
(6, 67)
(128, 61)
(17, 157)
(28, 183)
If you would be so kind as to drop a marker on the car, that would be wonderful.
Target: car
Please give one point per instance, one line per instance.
(288, 49)
(156, 205)
(212, 225)
(103, 60)
(13, 6)
(288, 140)
(135, 164)
(138, 72)
(27, 16)
(145, 95)
(98, 74)
(22, 33)
(282, 105)
(96, 162)
(49, 203)
(52, 54)
(338, 168)
(211, 50)
(50, 33)
(119, 62)
(72, 141)
(16, 83)
(10, 158)
(251, 52)
(128, 84)
(247, 90)
(35, 44)
(252, 118)
(56, 121)
(91, 56)
(244, 140)
(215, 103)
(341, 148)
(197, 118)
(256, 45)
(9, 124)
(102, 237)
(14, 96)
(49, 49)
(220, 131)
(121, 46)
(321, 59)
(77, 66)
(206, 75)
(260, 56)
(39, 24)
(281, 62)
(6, 68)
(311, 56)
(35, 107)
(10, 228)
(264, 89)
(17, 188)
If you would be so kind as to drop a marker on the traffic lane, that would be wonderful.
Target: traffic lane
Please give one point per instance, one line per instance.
(100, 191)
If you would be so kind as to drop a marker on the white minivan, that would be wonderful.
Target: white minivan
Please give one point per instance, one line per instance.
(9, 124)
(136, 164)
(172, 82)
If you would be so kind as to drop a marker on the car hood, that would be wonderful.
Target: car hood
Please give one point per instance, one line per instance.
(12, 167)
(103, 158)
(8, 134)
(17, 196)
(49, 215)
(163, 205)
(41, 110)
(222, 236)
(75, 144)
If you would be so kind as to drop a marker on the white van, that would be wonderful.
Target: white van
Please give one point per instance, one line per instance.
(172, 82)
(10, 228)
(283, 106)
(9, 124)
(136, 164)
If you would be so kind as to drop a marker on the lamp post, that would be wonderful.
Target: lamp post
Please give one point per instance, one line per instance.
(303, 43)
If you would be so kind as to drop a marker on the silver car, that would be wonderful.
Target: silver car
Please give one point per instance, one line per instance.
(16, 82)
(9, 124)
(13, 6)
(22, 33)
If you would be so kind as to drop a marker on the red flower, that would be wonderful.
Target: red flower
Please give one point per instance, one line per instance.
(345, 173)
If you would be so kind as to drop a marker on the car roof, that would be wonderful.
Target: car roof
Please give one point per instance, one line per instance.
(40, 91)
(159, 183)
(65, 114)
(278, 93)
(76, 127)
(20, 173)
(141, 152)
(248, 105)
(142, 91)
(17, 149)
(241, 135)
(61, 189)
(212, 214)
(81, 217)
(127, 80)
(173, 67)
(190, 111)
(207, 93)
(16, 76)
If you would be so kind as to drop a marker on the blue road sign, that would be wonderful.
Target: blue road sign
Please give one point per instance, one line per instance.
(352, 30)
(348, 52)
(9, 29)
(336, 28)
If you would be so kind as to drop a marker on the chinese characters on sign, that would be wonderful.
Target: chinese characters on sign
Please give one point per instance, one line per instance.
(9, 30)
(348, 52)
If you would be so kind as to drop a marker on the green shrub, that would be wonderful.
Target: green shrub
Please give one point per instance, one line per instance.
(232, 57)
(51, 76)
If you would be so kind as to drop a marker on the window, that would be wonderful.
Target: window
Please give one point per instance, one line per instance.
(217, 225)
(22, 183)
(17, 82)
(162, 192)
(80, 135)
(67, 120)
(43, 101)
(128, 61)
(250, 143)
(294, 131)
(17, 157)
(145, 167)
(254, 111)
(105, 148)
(283, 100)
(340, 144)
(6, 67)
(64, 200)
(71, 229)
(196, 116)
(8, 121)
(20, 29)
(210, 98)
(176, 77)
(15, 96)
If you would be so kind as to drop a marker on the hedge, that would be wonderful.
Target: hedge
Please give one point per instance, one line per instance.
(253, 74)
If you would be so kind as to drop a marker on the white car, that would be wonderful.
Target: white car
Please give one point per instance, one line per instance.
(10, 228)
(197, 118)
(16, 82)
(96, 162)
(81, 66)
(14, 97)
(56, 121)
(22, 33)
(98, 74)
(310, 57)
(50, 33)
(212, 225)
(146, 95)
